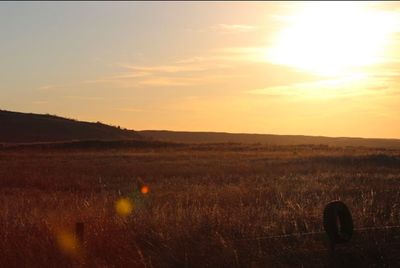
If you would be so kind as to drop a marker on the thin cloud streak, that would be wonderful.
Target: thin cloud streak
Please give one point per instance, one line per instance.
(233, 28)
(349, 86)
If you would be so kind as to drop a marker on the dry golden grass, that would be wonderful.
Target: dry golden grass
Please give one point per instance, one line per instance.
(201, 205)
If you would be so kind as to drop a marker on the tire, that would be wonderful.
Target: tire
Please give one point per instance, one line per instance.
(338, 223)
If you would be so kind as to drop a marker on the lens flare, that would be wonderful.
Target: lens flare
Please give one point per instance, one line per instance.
(67, 243)
(144, 190)
(124, 207)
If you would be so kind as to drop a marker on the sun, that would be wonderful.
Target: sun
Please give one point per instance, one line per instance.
(333, 38)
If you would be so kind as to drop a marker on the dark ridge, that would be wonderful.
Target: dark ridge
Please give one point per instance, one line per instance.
(92, 145)
(269, 139)
(18, 127)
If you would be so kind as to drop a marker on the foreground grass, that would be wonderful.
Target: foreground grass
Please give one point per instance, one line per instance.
(203, 205)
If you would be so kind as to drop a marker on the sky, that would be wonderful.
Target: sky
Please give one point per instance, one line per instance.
(302, 68)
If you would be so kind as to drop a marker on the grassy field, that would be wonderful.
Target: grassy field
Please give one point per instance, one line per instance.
(206, 206)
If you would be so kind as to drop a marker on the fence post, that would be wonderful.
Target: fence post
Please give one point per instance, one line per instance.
(79, 231)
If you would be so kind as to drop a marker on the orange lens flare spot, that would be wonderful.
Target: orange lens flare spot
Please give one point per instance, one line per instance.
(144, 190)
(67, 243)
(124, 207)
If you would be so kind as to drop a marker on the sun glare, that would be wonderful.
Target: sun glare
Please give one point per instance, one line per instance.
(336, 38)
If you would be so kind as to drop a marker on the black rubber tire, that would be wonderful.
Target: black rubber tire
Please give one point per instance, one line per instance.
(338, 223)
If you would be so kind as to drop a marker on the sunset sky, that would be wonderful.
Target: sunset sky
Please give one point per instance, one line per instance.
(329, 69)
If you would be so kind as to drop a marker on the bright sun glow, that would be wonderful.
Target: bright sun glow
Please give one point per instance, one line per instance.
(335, 38)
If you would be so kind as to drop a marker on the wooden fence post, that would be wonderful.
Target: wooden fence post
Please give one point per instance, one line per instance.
(79, 231)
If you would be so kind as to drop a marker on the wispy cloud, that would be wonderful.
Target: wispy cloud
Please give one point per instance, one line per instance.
(181, 72)
(234, 28)
(117, 77)
(213, 68)
(167, 81)
(49, 87)
(129, 109)
(85, 98)
(348, 86)
(194, 59)
(39, 102)
(225, 28)
(178, 67)
(244, 54)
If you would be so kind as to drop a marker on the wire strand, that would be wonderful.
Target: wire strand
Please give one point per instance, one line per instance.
(362, 229)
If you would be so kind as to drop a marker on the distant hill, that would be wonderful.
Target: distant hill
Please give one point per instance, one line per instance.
(221, 137)
(18, 127)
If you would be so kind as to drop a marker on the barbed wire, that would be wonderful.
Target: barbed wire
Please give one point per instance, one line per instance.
(361, 229)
